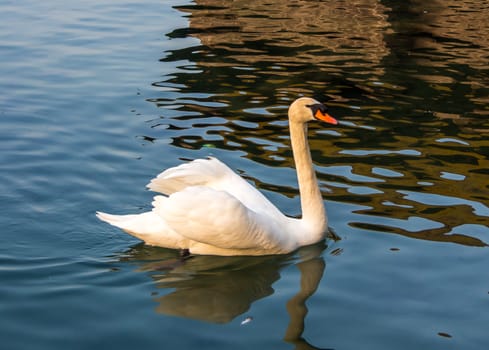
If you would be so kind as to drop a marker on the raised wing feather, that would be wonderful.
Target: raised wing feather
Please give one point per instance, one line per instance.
(213, 174)
(217, 218)
(200, 172)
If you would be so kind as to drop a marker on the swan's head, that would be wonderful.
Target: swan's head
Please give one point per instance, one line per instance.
(305, 109)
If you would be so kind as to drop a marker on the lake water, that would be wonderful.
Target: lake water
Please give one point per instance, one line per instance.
(97, 97)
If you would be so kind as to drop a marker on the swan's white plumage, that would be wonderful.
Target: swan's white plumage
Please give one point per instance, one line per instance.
(209, 209)
(147, 227)
(214, 174)
(215, 217)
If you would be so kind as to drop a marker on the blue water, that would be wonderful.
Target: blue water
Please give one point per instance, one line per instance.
(98, 97)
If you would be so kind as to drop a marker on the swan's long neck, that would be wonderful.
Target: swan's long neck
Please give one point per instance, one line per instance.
(313, 212)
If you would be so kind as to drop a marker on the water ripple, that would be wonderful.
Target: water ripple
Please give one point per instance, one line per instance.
(99, 96)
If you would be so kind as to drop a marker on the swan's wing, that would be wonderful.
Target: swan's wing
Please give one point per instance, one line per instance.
(213, 174)
(217, 218)
(200, 172)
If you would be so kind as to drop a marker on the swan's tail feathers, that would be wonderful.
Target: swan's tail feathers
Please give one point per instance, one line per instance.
(142, 226)
(148, 227)
(115, 220)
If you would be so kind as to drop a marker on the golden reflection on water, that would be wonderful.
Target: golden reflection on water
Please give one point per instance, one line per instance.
(313, 30)
(409, 80)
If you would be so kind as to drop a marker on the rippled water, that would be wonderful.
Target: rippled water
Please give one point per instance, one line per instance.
(100, 96)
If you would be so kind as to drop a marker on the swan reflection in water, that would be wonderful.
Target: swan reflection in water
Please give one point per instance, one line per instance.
(218, 289)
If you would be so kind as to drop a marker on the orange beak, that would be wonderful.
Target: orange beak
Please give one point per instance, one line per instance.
(325, 117)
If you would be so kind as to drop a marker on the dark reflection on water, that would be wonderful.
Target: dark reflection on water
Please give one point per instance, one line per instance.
(219, 289)
(411, 91)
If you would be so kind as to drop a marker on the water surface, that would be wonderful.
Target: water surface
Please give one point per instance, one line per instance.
(99, 97)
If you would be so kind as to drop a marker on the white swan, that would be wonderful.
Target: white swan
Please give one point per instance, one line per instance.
(209, 209)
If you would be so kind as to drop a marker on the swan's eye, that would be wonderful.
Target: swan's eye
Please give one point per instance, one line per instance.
(320, 112)
(318, 107)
